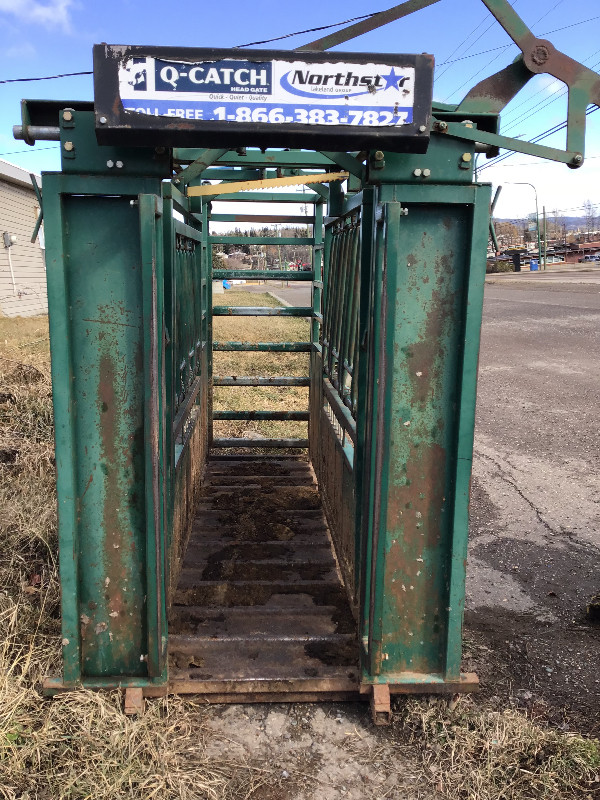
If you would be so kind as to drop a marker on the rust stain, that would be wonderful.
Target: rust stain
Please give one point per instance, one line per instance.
(415, 562)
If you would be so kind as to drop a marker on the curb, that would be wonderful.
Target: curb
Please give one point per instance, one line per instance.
(279, 299)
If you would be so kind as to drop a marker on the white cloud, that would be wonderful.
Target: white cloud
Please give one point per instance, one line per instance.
(24, 50)
(51, 14)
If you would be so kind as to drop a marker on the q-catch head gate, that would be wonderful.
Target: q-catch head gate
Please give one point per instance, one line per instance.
(187, 566)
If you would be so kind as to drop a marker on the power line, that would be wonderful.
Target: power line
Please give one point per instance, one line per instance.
(310, 30)
(324, 27)
(456, 49)
(513, 122)
(46, 77)
(555, 129)
(507, 47)
(29, 151)
(539, 163)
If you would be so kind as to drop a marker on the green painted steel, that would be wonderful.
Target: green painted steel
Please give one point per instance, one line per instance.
(260, 197)
(278, 240)
(262, 311)
(262, 415)
(283, 444)
(97, 328)
(341, 309)
(263, 347)
(397, 287)
(262, 274)
(243, 380)
(425, 377)
(256, 158)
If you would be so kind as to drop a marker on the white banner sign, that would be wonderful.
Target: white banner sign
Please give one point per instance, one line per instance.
(274, 92)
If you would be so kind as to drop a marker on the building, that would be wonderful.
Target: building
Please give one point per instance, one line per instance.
(22, 264)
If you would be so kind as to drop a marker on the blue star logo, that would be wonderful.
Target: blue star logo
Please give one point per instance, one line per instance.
(391, 80)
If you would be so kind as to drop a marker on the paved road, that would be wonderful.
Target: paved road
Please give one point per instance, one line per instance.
(535, 506)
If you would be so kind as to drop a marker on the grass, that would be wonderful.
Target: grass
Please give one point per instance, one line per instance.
(474, 753)
(239, 398)
(80, 745)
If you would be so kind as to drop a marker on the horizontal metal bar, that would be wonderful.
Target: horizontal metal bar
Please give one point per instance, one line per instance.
(250, 380)
(187, 230)
(279, 218)
(342, 413)
(46, 133)
(262, 311)
(460, 131)
(263, 197)
(263, 347)
(262, 274)
(255, 158)
(302, 416)
(278, 240)
(259, 442)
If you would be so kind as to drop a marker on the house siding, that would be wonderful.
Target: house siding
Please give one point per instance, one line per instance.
(18, 213)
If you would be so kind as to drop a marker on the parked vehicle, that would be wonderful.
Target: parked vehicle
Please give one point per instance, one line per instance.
(588, 258)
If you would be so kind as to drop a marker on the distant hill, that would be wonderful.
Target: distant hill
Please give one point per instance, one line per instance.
(572, 223)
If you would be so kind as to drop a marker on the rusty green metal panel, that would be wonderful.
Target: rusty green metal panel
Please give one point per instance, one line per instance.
(432, 269)
(98, 366)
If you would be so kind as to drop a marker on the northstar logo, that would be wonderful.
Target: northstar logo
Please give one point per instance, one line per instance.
(340, 82)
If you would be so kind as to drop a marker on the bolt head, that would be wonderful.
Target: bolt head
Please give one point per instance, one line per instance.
(422, 128)
(379, 155)
(426, 173)
(442, 126)
(110, 163)
(67, 116)
(417, 172)
(577, 159)
(69, 146)
(102, 120)
(119, 165)
(540, 54)
(466, 156)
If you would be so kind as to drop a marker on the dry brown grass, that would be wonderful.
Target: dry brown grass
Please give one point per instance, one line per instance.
(239, 398)
(474, 753)
(80, 745)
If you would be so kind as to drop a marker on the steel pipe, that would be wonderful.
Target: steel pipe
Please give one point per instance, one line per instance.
(31, 133)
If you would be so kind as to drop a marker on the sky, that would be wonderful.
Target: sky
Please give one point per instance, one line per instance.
(48, 37)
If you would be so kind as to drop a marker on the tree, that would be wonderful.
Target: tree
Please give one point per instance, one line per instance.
(591, 219)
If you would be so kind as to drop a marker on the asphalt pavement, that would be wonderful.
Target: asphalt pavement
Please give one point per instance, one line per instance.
(534, 551)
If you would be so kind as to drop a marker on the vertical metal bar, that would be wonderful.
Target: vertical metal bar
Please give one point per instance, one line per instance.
(349, 317)
(317, 291)
(330, 251)
(385, 323)
(169, 288)
(208, 270)
(473, 307)
(62, 399)
(151, 245)
(370, 486)
(363, 366)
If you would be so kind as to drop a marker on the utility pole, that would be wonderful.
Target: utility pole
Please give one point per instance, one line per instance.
(545, 236)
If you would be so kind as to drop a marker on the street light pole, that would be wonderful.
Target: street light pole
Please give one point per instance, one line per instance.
(537, 215)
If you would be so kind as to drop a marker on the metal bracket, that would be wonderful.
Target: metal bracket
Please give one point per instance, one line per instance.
(381, 704)
(40, 219)
(491, 95)
(198, 166)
